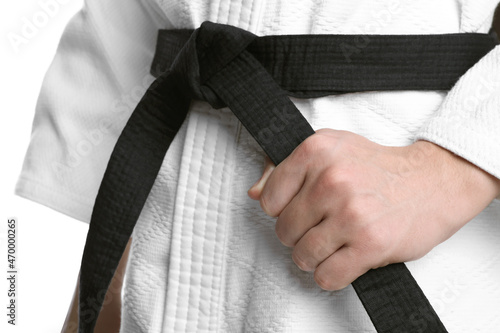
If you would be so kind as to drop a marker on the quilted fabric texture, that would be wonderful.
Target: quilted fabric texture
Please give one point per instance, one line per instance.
(204, 257)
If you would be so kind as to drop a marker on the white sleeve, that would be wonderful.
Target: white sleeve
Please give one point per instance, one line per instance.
(468, 121)
(98, 75)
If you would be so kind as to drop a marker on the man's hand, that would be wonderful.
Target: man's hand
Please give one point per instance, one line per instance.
(346, 204)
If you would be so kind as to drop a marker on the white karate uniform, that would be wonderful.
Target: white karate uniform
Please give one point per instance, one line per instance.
(204, 257)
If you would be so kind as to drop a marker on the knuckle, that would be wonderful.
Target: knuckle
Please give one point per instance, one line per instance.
(325, 281)
(354, 212)
(317, 246)
(375, 239)
(312, 145)
(297, 259)
(283, 234)
(266, 205)
(327, 131)
(336, 178)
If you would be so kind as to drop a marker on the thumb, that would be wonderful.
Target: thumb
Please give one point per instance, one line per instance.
(255, 191)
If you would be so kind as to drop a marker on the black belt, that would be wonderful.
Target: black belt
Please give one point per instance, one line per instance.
(253, 76)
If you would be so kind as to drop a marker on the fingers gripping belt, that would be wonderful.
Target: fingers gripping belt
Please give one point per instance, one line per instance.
(227, 66)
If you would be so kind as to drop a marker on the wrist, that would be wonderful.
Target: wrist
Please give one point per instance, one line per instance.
(468, 177)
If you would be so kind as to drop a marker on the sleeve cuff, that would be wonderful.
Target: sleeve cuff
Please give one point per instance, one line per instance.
(63, 202)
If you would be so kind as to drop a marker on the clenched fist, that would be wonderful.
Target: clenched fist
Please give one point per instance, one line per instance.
(346, 204)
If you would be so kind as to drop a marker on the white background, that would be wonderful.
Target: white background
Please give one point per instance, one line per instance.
(50, 244)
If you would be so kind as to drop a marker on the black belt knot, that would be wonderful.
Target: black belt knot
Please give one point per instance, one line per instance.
(206, 52)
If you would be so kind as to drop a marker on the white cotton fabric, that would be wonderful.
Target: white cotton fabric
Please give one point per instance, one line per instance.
(204, 257)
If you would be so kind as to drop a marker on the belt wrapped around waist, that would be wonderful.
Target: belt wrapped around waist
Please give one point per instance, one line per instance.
(253, 76)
